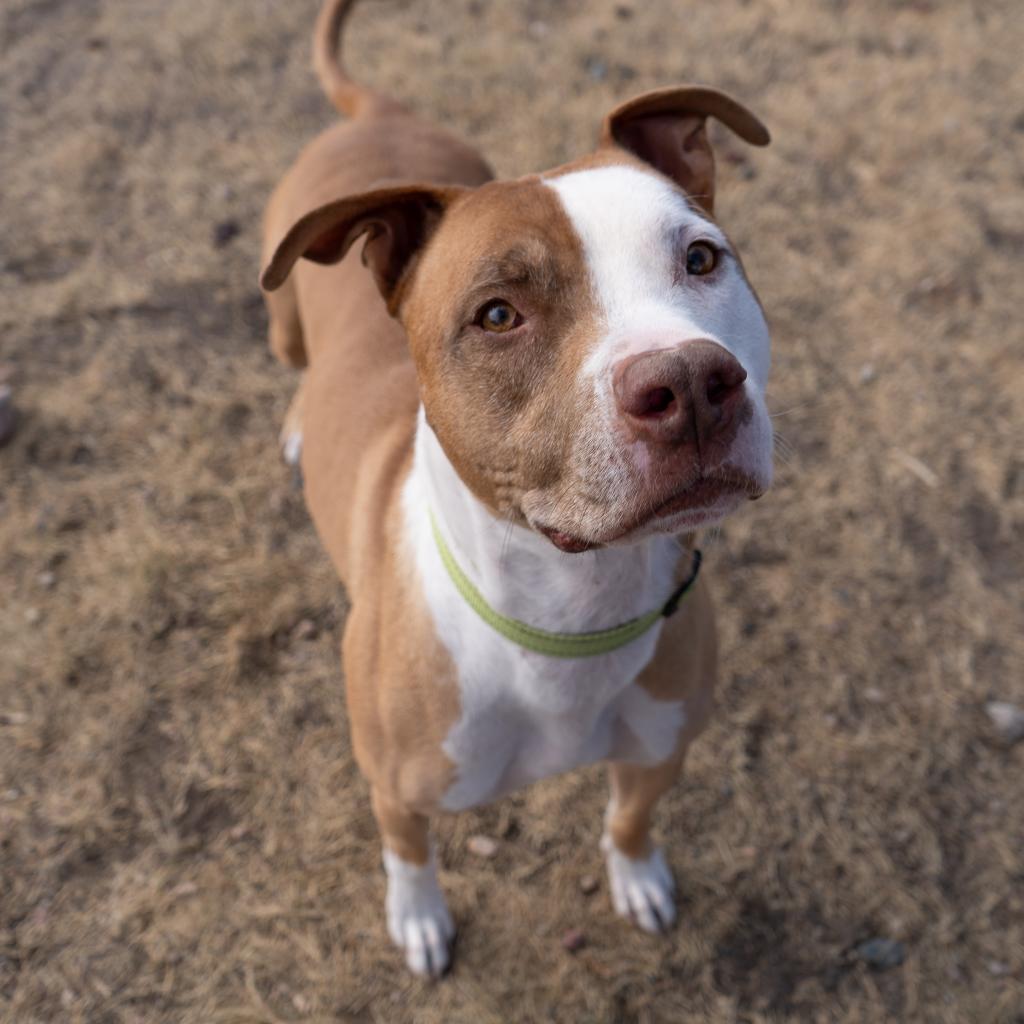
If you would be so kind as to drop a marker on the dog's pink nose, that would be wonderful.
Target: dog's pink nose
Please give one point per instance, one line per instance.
(679, 395)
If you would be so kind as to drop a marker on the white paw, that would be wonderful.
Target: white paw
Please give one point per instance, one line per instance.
(291, 446)
(642, 890)
(418, 919)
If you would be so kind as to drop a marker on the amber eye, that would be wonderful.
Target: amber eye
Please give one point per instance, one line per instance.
(701, 258)
(498, 317)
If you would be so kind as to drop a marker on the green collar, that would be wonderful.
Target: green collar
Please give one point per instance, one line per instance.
(559, 645)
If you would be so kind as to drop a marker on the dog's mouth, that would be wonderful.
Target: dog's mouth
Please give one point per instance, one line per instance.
(702, 502)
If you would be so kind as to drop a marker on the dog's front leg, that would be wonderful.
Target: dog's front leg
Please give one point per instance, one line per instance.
(641, 882)
(417, 916)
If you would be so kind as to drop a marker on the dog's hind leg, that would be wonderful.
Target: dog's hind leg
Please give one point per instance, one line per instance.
(290, 437)
(286, 341)
(417, 915)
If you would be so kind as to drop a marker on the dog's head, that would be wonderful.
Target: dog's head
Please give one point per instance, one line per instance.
(590, 352)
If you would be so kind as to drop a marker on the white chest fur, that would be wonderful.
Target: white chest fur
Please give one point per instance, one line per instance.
(526, 716)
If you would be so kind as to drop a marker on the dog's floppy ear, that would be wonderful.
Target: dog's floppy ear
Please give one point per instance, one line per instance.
(667, 128)
(397, 221)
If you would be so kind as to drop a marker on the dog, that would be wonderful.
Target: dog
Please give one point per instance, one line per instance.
(519, 402)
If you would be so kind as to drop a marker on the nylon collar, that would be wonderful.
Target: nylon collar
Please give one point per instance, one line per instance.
(559, 645)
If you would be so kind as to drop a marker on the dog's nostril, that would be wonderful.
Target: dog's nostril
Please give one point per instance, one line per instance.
(720, 385)
(716, 388)
(655, 402)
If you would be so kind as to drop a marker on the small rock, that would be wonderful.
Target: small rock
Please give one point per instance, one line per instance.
(1008, 720)
(32, 615)
(997, 968)
(574, 940)
(224, 232)
(597, 69)
(47, 579)
(881, 954)
(13, 718)
(589, 885)
(538, 29)
(305, 630)
(868, 372)
(8, 415)
(482, 846)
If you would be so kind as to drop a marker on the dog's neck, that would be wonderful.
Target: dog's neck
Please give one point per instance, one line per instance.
(522, 575)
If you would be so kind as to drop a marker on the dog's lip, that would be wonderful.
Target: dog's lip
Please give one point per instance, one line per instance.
(566, 541)
(705, 493)
(699, 498)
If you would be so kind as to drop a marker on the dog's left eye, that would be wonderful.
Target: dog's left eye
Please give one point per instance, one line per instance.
(498, 317)
(701, 259)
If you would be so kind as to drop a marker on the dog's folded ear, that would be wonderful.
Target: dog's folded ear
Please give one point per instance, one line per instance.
(397, 220)
(667, 129)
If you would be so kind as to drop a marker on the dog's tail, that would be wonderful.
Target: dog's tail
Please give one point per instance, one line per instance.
(349, 97)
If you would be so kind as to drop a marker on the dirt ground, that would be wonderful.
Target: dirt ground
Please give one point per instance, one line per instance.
(183, 833)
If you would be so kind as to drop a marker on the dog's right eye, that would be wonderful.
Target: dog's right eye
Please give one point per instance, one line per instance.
(498, 317)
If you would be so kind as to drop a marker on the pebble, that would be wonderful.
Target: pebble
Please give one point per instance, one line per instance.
(305, 630)
(589, 885)
(8, 415)
(1008, 720)
(32, 615)
(224, 232)
(482, 846)
(868, 372)
(574, 940)
(13, 718)
(882, 954)
(47, 579)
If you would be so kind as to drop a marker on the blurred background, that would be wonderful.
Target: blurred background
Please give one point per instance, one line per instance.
(183, 833)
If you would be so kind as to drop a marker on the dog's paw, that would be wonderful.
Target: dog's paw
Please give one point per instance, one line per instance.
(642, 890)
(418, 918)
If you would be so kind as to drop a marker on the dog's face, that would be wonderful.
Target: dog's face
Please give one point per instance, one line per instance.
(591, 355)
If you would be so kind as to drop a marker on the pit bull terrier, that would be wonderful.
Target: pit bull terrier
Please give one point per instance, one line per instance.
(519, 401)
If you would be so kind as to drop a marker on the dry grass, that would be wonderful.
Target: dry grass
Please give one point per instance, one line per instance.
(183, 835)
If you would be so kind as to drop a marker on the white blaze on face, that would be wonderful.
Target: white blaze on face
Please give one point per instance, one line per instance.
(635, 228)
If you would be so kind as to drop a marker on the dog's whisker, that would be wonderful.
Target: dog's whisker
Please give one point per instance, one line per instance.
(791, 410)
(784, 449)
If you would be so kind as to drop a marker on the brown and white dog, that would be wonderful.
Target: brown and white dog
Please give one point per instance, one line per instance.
(566, 373)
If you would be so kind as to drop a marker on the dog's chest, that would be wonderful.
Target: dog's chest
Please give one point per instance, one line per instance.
(528, 717)
(525, 716)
